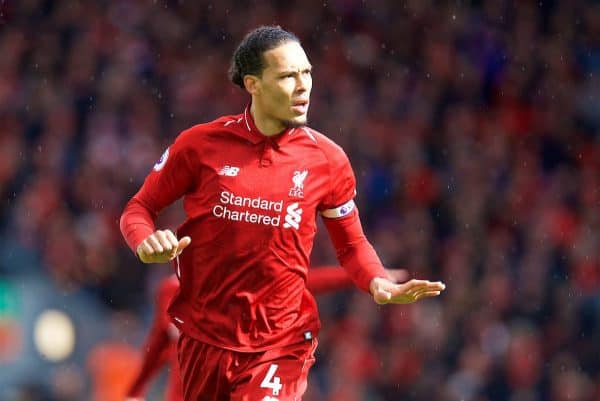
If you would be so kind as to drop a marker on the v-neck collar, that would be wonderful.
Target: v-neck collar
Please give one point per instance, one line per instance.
(254, 134)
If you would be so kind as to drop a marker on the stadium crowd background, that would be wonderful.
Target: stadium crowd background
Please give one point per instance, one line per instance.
(473, 128)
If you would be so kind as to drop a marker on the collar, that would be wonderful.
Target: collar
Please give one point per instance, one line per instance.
(254, 134)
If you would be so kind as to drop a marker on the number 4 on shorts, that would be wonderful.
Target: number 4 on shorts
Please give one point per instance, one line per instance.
(271, 381)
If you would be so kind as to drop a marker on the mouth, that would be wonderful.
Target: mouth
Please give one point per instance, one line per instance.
(300, 106)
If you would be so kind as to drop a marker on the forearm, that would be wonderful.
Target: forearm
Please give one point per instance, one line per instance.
(362, 263)
(137, 223)
(354, 251)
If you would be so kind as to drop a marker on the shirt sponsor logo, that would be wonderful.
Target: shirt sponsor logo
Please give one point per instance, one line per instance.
(257, 210)
(230, 171)
(162, 161)
(259, 215)
(293, 216)
(297, 191)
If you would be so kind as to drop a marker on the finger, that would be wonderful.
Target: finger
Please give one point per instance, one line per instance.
(418, 292)
(410, 288)
(145, 252)
(413, 284)
(155, 244)
(419, 285)
(183, 243)
(164, 242)
(427, 294)
(146, 248)
(172, 239)
(435, 286)
(423, 291)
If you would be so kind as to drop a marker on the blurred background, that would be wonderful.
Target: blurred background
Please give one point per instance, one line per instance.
(474, 131)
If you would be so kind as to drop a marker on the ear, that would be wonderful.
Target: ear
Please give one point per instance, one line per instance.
(252, 84)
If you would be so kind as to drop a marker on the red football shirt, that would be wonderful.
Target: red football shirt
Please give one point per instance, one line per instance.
(251, 204)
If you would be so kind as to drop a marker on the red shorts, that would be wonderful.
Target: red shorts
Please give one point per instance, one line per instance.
(215, 374)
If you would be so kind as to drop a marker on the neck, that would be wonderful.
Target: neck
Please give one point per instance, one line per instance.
(267, 126)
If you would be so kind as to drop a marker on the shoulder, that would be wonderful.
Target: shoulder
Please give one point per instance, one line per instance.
(330, 150)
(199, 133)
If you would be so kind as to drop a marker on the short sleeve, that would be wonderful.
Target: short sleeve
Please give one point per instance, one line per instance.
(339, 200)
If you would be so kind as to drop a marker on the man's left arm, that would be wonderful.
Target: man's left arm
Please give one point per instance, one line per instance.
(354, 251)
(325, 279)
(360, 260)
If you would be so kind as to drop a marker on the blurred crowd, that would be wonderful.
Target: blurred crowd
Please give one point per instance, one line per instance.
(473, 128)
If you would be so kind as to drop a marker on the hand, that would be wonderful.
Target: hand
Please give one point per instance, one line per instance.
(385, 291)
(161, 247)
(397, 275)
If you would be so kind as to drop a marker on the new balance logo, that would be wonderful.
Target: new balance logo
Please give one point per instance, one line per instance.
(229, 171)
(293, 216)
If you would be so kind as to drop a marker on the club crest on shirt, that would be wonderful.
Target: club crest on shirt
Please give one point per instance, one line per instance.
(297, 191)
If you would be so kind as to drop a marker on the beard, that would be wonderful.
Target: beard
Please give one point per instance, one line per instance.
(294, 124)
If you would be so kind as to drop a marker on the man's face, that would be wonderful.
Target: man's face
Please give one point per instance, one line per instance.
(283, 91)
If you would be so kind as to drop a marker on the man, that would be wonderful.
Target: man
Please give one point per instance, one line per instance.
(252, 185)
(159, 348)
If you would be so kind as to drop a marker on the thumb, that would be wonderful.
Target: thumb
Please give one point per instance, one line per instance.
(382, 296)
(183, 243)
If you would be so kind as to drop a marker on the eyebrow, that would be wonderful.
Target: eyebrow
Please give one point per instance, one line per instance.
(292, 71)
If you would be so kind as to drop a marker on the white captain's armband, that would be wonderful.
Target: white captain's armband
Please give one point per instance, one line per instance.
(339, 211)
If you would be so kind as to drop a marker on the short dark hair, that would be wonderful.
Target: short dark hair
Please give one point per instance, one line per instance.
(248, 59)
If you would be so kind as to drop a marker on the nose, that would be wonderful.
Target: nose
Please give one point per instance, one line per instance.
(302, 83)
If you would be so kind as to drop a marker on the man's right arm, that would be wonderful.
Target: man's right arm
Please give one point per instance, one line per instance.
(171, 178)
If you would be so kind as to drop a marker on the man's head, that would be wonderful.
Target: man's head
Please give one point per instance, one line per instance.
(272, 66)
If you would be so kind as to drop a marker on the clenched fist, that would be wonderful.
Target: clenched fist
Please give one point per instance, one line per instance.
(161, 247)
